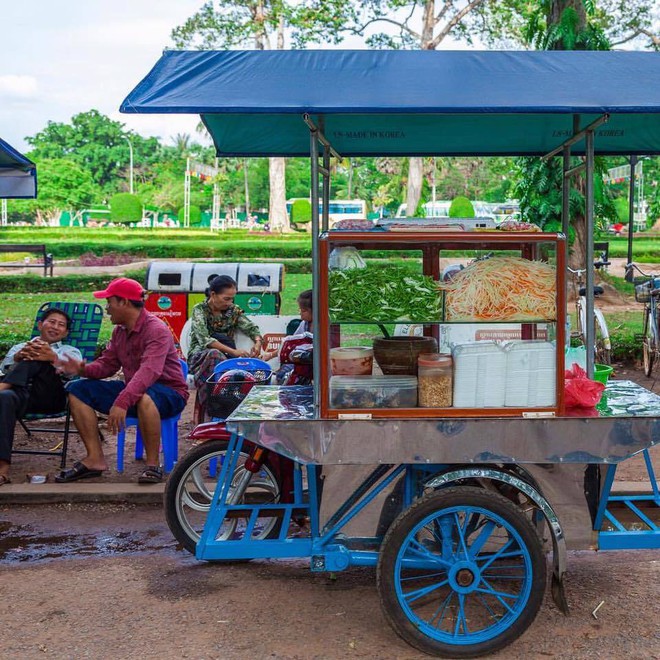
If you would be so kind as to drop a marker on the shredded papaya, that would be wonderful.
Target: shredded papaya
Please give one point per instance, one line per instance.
(502, 289)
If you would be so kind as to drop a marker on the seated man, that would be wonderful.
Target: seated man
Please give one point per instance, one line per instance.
(153, 387)
(31, 382)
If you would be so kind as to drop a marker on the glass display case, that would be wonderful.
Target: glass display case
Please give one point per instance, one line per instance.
(482, 314)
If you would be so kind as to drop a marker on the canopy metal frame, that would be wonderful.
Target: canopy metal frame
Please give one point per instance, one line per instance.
(321, 151)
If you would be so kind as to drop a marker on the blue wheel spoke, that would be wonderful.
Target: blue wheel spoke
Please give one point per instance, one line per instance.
(481, 540)
(421, 551)
(501, 553)
(489, 609)
(441, 610)
(423, 576)
(460, 618)
(412, 596)
(461, 535)
(500, 595)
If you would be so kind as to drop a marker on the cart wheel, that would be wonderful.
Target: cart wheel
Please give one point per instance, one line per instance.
(461, 573)
(189, 491)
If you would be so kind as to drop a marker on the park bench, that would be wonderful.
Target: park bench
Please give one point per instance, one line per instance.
(47, 259)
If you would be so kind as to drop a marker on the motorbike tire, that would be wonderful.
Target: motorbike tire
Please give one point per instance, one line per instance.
(190, 486)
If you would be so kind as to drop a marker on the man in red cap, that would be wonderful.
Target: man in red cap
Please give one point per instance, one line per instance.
(153, 387)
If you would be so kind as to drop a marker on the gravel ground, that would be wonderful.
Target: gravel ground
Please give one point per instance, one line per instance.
(106, 591)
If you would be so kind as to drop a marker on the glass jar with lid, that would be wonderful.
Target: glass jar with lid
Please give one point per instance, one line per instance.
(435, 380)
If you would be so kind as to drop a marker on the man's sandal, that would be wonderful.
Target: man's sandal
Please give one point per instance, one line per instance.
(77, 472)
(4, 480)
(152, 474)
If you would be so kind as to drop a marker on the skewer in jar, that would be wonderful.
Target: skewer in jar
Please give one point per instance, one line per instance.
(434, 380)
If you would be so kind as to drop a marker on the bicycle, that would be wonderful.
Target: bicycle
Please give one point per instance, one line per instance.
(647, 292)
(603, 345)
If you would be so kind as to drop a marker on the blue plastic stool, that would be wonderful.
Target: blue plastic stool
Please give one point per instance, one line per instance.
(169, 438)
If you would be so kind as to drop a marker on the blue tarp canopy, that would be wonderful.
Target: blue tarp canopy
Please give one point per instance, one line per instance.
(409, 102)
(18, 175)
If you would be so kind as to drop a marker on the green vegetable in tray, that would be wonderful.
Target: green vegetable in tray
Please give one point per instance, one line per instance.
(382, 293)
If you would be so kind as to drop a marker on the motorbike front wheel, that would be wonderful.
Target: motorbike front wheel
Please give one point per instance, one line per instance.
(190, 487)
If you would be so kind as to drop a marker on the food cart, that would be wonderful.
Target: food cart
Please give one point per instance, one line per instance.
(454, 503)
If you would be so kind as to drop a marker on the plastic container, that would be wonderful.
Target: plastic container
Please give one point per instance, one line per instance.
(373, 392)
(479, 375)
(434, 380)
(531, 374)
(602, 372)
(352, 361)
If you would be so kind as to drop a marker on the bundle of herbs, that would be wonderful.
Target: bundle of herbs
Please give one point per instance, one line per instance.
(380, 293)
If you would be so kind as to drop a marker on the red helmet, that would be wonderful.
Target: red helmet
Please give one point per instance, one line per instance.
(235, 382)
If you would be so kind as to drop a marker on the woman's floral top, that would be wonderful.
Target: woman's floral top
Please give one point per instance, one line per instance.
(203, 322)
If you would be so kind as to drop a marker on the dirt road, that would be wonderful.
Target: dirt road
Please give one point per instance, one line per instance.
(79, 582)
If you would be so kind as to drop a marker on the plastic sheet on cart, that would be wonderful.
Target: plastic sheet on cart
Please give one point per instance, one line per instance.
(276, 403)
(623, 398)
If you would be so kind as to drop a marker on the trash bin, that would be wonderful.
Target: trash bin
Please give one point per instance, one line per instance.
(259, 288)
(168, 284)
(202, 274)
(259, 285)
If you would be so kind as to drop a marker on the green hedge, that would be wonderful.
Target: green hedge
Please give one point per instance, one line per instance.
(62, 283)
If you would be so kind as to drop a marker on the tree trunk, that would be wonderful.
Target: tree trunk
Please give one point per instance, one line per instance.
(415, 164)
(557, 8)
(246, 186)
(577, 256)
(277, 215)
(415, 170)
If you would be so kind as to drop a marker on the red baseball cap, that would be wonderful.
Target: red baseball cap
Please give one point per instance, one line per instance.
(122, 287)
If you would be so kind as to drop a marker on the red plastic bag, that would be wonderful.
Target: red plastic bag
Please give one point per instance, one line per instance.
(580, 391)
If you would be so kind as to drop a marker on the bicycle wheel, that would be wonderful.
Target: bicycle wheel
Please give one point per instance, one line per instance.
(461, 573)
(649, 346)
(189, 491)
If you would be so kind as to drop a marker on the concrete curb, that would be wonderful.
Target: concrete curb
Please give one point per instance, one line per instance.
(133, 493)
(77, 493)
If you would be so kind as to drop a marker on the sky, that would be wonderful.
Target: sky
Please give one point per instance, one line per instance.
(63, 57)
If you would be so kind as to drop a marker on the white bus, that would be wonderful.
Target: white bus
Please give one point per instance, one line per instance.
(431, 210)
(440, 209)
(339, 209)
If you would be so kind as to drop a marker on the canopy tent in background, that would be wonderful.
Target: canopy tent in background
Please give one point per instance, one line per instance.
(409, 103)
(18, 175)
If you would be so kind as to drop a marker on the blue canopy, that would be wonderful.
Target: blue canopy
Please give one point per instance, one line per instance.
(18, 175)
(409, 102)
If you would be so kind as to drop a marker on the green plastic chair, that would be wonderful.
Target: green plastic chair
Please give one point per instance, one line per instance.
(84, 333)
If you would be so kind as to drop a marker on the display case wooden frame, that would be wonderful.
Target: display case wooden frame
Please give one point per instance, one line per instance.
(430, 244)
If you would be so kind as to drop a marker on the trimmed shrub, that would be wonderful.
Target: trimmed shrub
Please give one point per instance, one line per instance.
(125, 208)
(461, 207)
(195, 215)
(62, 283)
(301, 212)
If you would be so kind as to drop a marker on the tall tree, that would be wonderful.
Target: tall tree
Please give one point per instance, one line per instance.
(97, 144)
(562, 25)
(264, 25)
(425, 25)
(63, 186)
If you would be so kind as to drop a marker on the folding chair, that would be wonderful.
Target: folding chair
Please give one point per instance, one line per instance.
(83, 334)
